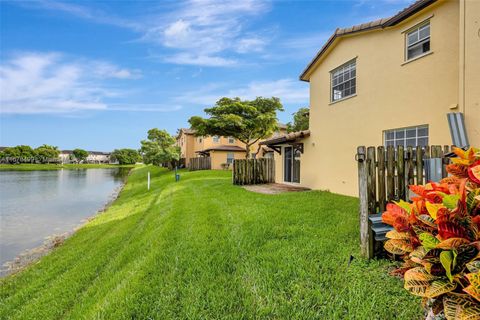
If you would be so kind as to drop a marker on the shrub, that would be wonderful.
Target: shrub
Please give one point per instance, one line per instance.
(438, 237)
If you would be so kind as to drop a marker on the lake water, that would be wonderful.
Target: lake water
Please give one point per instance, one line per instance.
(38, 204)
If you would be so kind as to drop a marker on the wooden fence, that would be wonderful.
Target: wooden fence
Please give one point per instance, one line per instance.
(384, 175)
(200, 163)
(253, 171)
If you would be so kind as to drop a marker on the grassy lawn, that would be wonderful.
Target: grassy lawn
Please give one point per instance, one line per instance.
(33, 167)
(205, 249)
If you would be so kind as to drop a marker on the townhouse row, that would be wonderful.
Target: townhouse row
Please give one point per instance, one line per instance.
(221, 150)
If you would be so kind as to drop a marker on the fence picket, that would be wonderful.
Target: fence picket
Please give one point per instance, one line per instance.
(384, 177)
(200, 163)
(390, 173)
(253, 171)
(382, 200)
(419, 165)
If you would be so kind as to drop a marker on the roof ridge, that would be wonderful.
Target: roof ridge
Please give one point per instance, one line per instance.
(380, 23)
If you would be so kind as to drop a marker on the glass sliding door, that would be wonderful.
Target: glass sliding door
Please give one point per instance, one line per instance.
(291, 165)
(296, 166)
(287, 164)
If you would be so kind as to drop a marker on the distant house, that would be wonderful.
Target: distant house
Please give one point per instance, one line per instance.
(221, 150)
(387, 82)
(66, 156)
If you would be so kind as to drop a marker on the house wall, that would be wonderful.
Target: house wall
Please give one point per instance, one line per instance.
(220, 157)
(469, 66)
(390, 94)
(186, 142)
(207, 142)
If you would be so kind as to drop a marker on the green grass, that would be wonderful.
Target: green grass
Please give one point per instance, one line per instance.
(205, 249)
(34, 167)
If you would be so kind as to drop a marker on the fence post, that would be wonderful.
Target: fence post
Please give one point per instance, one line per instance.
(381, 178)
(363, 195)
(419, 168)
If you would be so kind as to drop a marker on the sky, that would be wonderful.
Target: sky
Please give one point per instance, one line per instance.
(98, 75)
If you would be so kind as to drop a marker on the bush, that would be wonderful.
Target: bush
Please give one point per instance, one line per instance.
(438, 238)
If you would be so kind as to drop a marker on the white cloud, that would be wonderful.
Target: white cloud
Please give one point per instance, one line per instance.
(197, 32)
(83, 12)
(288, 90)
(107, 70)
(34, 83)
(200, 60)
(247, 45)
(202, 31)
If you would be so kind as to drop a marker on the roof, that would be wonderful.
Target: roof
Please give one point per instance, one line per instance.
(377, 24)
(186, 131)
(290, 137)
(281, 125)
(96, 153)
(223, 148)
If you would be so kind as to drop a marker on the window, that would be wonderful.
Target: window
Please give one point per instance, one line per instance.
(230, 157)
(231, 140)
(199, 139)
(344, 81)
(418, 41)
(412, 136)
(216, 139)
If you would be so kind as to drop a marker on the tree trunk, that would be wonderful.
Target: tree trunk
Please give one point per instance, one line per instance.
(247, 151)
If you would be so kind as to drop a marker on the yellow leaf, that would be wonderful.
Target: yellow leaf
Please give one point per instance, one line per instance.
(433, 208)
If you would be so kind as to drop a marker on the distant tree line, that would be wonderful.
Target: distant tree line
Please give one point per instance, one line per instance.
(26, 154)
(126, 156)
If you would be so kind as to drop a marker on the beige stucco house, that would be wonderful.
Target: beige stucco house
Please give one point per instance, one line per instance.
(221, 150)
(387, 82)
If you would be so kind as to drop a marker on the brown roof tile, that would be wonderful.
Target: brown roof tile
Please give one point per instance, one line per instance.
(289, 137)
(222, 148)
(377, 24)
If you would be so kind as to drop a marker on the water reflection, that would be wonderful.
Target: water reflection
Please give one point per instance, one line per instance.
(37, 204)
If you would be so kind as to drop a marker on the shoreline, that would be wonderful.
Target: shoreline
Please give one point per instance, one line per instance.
(32, 255)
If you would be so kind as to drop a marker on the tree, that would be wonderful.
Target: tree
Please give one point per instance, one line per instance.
(46, 153)
(159, 147)
(246, 120)
(80, 154)
(21, 151)
(300, 120)
(126, 156)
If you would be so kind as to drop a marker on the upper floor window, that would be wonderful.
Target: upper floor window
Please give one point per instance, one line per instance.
(231, 140)
(199, 139)
(407, 137)
(216, 139)
(344, 81)
(418, 41)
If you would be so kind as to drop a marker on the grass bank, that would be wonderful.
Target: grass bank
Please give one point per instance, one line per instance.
(35, 167)
(205, 249)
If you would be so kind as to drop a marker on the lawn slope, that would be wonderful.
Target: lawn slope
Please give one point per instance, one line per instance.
(205, 249)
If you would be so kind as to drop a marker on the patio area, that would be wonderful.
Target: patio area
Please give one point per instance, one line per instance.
(274, 188)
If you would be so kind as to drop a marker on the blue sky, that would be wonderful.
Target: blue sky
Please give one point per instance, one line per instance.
(98, 75)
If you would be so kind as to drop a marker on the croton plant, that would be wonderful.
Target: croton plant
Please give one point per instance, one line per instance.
(438, 237)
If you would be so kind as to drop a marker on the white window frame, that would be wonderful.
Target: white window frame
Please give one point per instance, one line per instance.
(232, 158)
(216, 139)
(394, 140)
(419, 41)
(341, 70)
